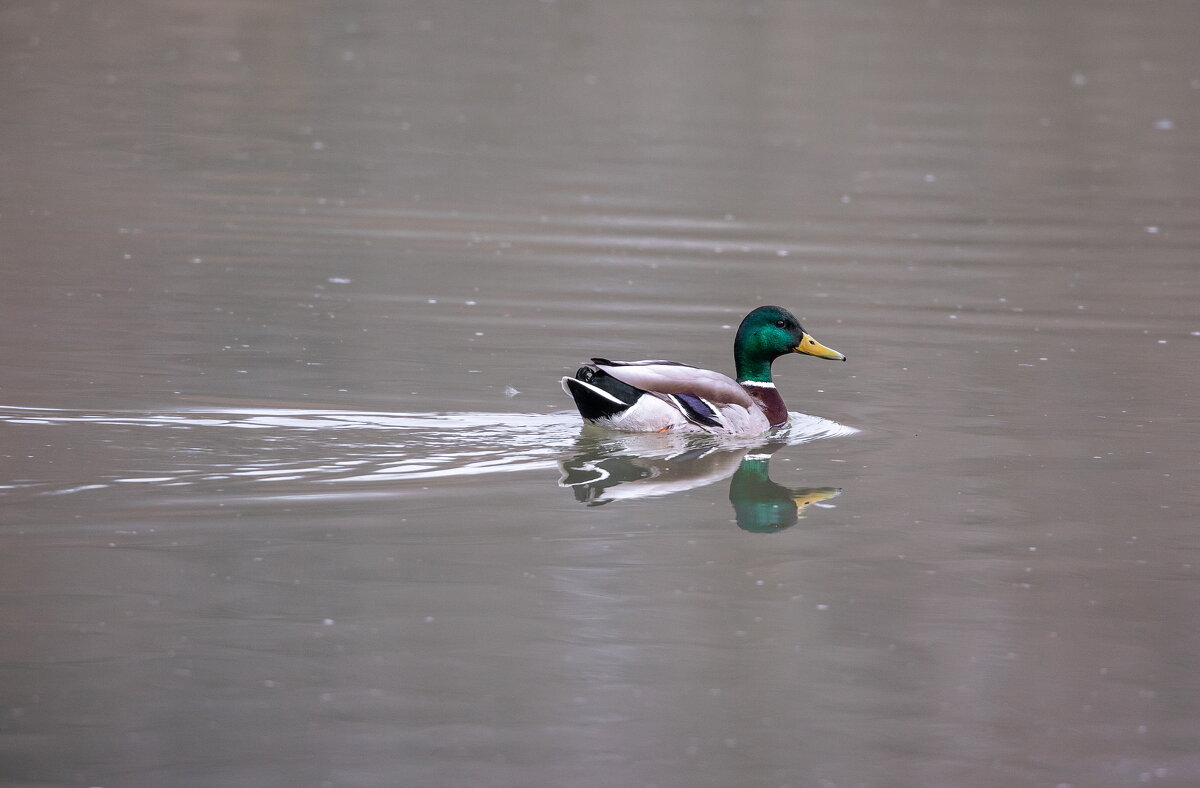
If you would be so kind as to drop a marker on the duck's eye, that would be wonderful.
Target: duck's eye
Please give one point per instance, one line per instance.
(781, 323)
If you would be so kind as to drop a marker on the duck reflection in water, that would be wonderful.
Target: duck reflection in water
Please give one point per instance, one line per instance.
(608, 467)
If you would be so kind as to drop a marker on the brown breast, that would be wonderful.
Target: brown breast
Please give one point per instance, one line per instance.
(771, 403)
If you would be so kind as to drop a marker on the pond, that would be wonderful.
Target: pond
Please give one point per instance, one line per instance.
(291, 493)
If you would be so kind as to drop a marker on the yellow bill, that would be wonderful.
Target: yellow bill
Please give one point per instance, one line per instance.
(803, 498)
(812, 347)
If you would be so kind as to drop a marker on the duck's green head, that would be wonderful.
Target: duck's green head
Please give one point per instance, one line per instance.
(768, 333)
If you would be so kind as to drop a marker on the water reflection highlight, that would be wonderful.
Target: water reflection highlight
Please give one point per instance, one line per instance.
(608, 466)
(312, 449)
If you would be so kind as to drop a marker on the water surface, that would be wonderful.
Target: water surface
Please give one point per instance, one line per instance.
(291, 495)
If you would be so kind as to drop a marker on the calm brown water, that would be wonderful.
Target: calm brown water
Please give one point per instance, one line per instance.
(290, 495)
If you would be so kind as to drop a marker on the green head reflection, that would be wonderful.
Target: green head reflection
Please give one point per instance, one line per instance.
(608, 467)
(763, 506)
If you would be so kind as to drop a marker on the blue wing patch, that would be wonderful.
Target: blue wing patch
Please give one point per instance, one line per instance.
(697, 410)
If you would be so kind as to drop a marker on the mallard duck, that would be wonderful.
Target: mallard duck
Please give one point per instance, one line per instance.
(667, 396)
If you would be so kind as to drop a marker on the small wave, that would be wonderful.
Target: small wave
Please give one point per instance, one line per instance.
(275, 445)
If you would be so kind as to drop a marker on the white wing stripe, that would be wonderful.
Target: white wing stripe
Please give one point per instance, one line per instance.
(595, 389)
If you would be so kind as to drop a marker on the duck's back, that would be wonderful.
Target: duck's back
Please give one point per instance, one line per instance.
(672, 377)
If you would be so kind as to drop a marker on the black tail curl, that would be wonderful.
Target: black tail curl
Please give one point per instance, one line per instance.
(593, 405)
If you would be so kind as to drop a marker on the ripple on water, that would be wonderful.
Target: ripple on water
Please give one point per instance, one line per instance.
(260, 446)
